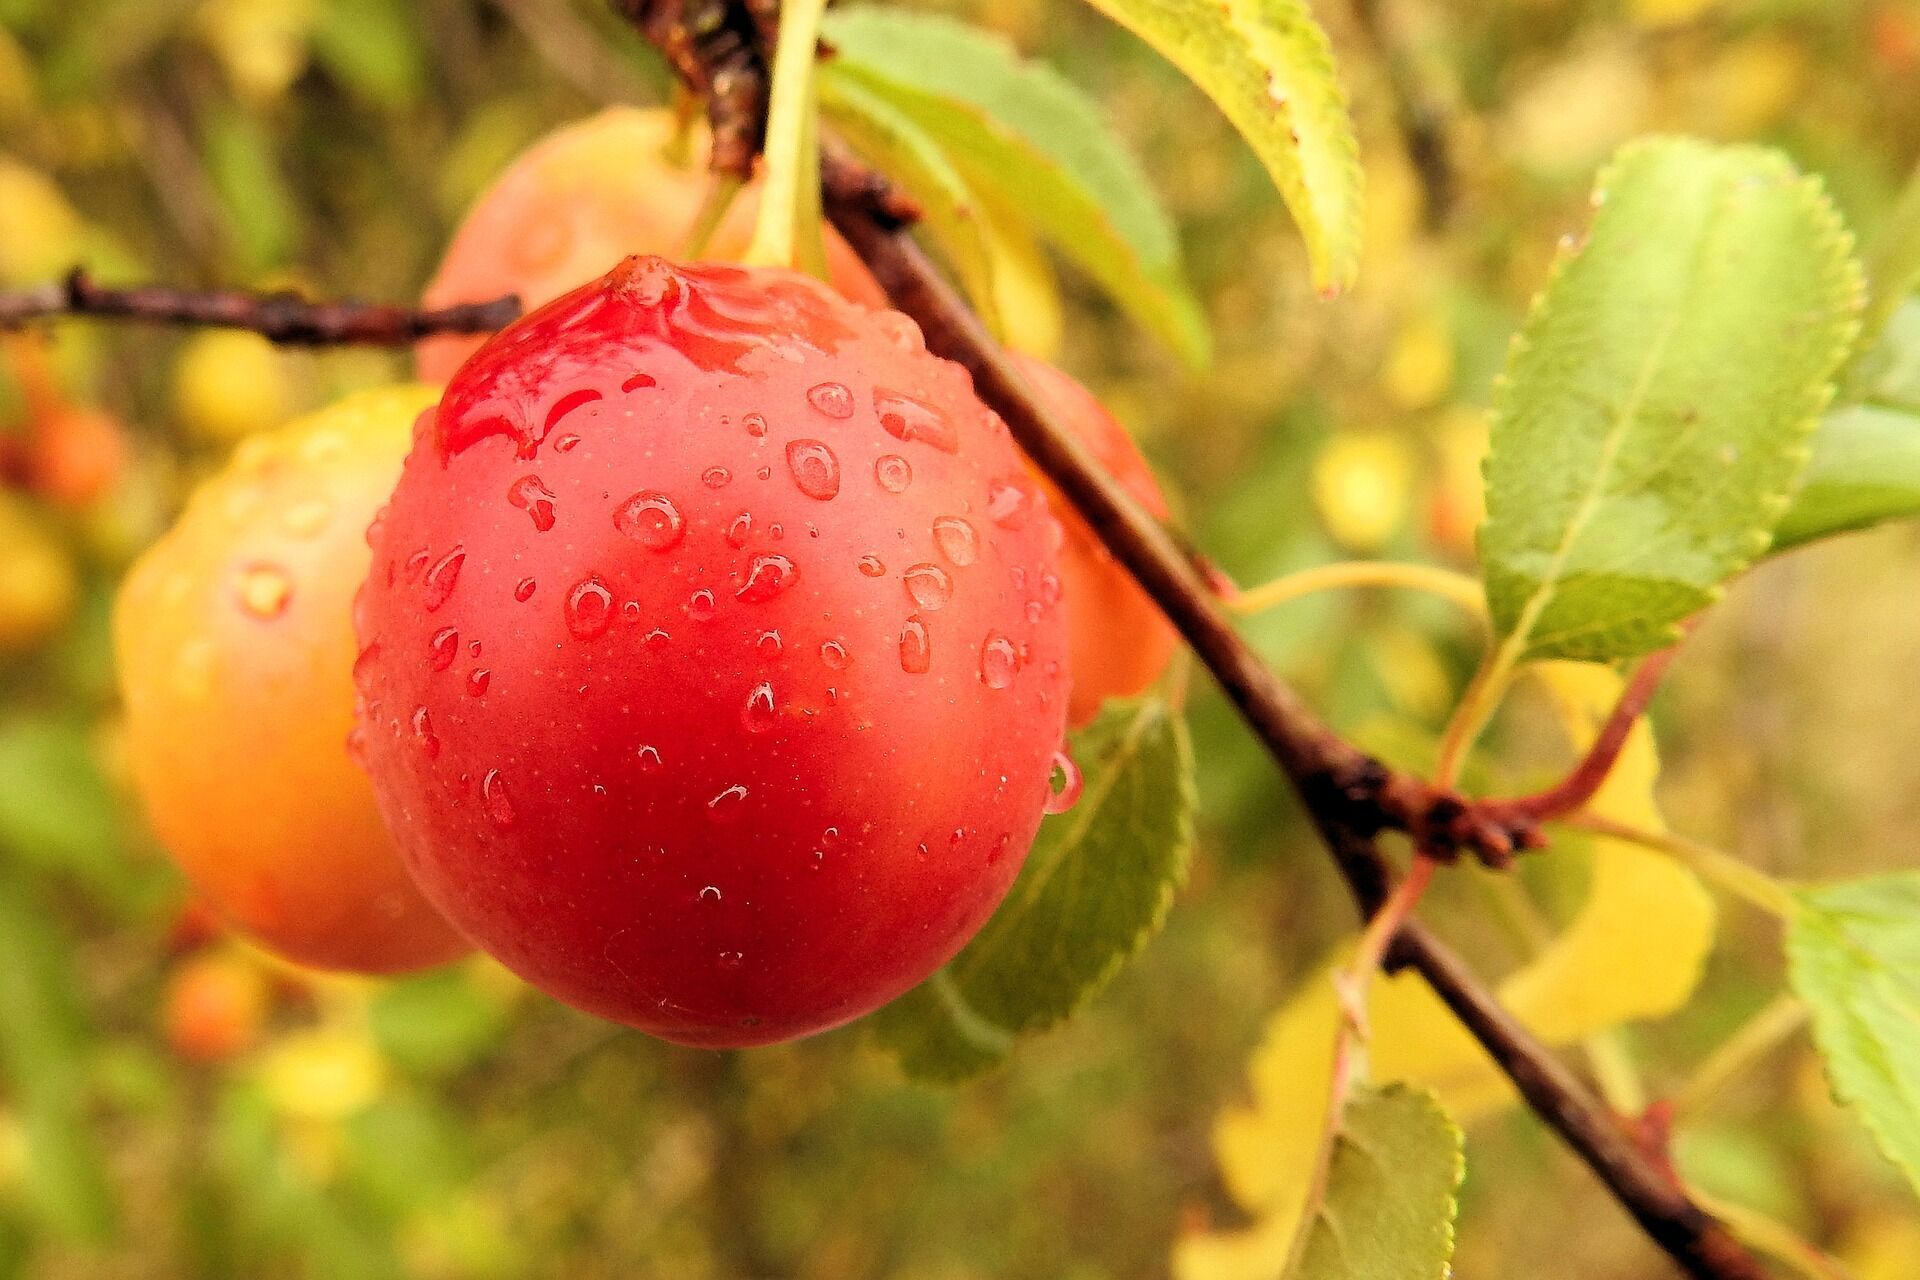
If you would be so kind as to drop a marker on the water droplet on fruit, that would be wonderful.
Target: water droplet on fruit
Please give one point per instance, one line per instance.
(815, 468)
(999, 660)
(732, 959)
(929, 586)
(758, 715)
(1049, 590)
(656, 639)
(716, 477)
(567, 404)
(906, 418)
(631, 612)
(768, 643)
(589, 608)
(442, 647)
(738, 531)
(767, 577)
(442, 578)
(955, 538)
(566, 443)
(651, 520)
(477, 681)
(832, 399)
(638, 382)
(523, 590)
(726, 807)
(499, 805)
(893, 472)
(999, 849)
(534, 498)
(1064, 796)
(871, 566)
(916, 648)
(700, 605)
(423, 734)
(363, 663)
(1006, 503)
(710, 894)
(649, 759)
(834, 654)
(305, 519)
(264, 590)
(755, 424)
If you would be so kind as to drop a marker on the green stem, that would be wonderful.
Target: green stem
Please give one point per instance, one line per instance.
(790, 204)
(1478, 701)
(1775, 1239)
(713, 211)
(1756, 888)
(1445, 583)
(1758, 1036)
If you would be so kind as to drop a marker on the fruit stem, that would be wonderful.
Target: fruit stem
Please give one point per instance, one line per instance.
(1431, 579)
(1758, 1036)
(1750, 885)
(713, 211)
(787, 233)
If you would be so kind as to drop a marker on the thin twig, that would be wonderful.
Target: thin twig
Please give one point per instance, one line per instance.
(280, 317)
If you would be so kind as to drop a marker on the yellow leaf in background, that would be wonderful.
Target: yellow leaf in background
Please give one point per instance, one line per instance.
(326, 1073)
(1750, 85)
(1634, 950)
(228, 383)
(1573, 112)
(40, 234)
(1025, 292)
(262, 44)
(1360, 484)
(1667, 13)
(1392, 212)
(1419, 368)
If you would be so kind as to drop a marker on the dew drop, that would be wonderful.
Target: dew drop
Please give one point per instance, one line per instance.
(871, 566)
(739, 530)
(758, 715)
(442, 578)
(649, 759)
(726, 807)
(905, 418)
(916, 648)
(473, 648)
(700, 605)
(534, 498)
(264, 590)
(710, 894)
(638, 382)
(416, 564)
(651, 520)
(656, 639)
(755, 424)
(999, 849)
(732, 959)
(566, 443)
(499, 805)
(955, 538)
(477, 681)
(832, 399)
(929, 586)
(716, 477)
(567, 404)
(893, 472)
(1006, 503)
(1066, 794)
(1049, 590)
(768, 643)
(305, 519)
(523, 590)
(815, 468)
(363, 664)
(999, 660)
(589, 608)
(767, 577)
(631, 612)
(834, 655)
(442, 647)
(424, 735)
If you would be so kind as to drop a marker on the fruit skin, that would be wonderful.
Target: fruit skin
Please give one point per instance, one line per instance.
(578, 201)
(734, 818)
(1118, 640)
(234, 646)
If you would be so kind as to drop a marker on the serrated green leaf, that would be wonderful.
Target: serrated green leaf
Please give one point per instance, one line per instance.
(1865, 470)
(1269, 67)
(1096, 885)
(893, 140)
(1853, 954)
(1654, 412)
(1389, 1205)
(1033, 145)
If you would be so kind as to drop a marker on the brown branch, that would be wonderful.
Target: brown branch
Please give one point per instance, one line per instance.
(282, 317)
(1348, 795)
(1571, 793)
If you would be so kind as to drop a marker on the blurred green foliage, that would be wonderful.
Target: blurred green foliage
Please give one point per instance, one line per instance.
(454, 1125)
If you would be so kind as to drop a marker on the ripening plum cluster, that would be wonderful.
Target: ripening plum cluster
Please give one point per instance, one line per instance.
(703, 649)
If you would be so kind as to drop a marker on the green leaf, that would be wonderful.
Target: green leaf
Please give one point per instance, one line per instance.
(1865, 470)
(1389, 1205)
(438, 1022)
(1269, 67)
(1655, 408)
(1096, 885)
(56, 810)
(1853, 954)
(1031, 144)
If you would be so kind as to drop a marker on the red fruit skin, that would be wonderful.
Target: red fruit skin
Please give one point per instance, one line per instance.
(1118, 640)
(734, 819)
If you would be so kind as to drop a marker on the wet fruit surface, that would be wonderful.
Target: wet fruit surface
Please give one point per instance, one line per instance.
(769, 689)
(1119, 640)
(234, 644)
(580, 199)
